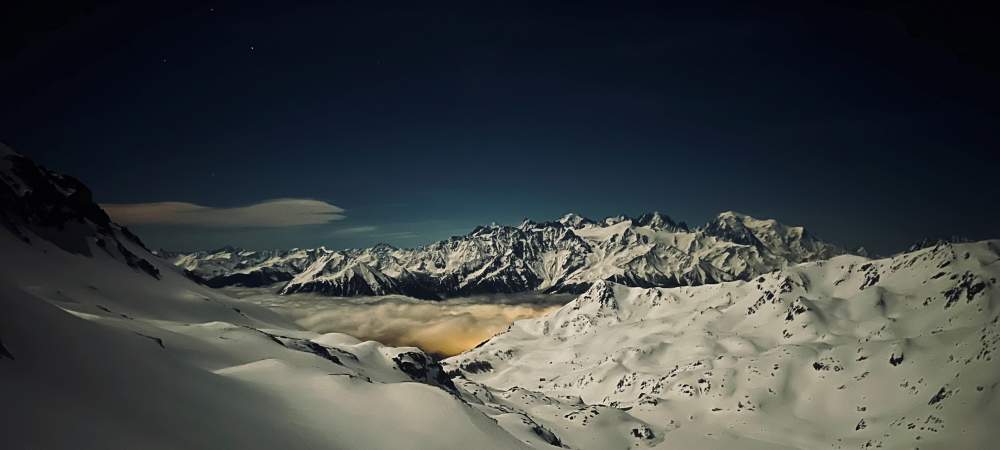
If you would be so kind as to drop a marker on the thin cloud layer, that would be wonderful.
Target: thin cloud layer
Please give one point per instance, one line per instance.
(364, 229)
(282, 212)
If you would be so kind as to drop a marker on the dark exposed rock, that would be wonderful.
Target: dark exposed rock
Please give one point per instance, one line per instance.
(258, 278)
(136, 262)
(477, 366)
(154, 339)
(307, 346)
(825, 366)
(423, 369)
(941, 394)
(358, 286)
(50, 199)
(61, 210)
(970, 285)
(194, 277)
(934, 242)
(871, 275)
(643, 432)
(4, 353)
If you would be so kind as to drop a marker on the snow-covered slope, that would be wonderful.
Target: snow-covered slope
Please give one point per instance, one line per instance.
(566, 255)
(103, 345)
(843, 353)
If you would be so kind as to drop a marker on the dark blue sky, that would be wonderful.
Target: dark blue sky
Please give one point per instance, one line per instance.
(872, 126)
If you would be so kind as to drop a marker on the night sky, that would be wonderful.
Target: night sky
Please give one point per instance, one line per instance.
(872, 126)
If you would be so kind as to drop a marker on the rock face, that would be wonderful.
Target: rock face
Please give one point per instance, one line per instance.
(566, 255)
(41, 204)
(898, 351)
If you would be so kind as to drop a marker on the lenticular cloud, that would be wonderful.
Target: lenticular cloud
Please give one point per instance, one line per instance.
(282, 212)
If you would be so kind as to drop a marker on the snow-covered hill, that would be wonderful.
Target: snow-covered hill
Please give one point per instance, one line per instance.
(842, 353)
(103, 345)
(566, 255)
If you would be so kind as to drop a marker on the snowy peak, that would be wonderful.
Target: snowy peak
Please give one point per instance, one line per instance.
(615, 220)
(732, 226)
(659, 221)
(39, 204)
(44, 198)
(790, 242)
(382, 248)
(574, 220)
(599, 300)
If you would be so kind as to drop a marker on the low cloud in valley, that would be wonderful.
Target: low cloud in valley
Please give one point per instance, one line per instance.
(446, 328)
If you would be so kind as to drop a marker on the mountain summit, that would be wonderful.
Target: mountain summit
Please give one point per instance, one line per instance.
(38, 204)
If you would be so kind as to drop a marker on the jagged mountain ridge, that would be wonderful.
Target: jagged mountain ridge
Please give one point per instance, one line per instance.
(36, 203)
(565, 255)
(843, 353)
(230, 266)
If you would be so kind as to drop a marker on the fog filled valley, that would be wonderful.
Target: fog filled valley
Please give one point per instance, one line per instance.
(442, 328)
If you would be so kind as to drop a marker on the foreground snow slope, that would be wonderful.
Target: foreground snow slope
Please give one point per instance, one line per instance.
(103, 345)
(844, 353)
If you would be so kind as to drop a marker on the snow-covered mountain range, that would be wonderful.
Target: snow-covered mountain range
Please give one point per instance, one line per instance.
(843, 353)
(566, 255)
(105, 345)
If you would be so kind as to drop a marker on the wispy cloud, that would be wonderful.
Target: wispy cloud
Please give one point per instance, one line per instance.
(364, 229)
(373, 231)
(282, 212)
(398, 235)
